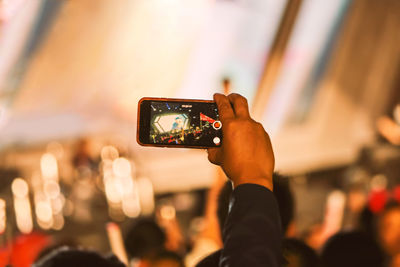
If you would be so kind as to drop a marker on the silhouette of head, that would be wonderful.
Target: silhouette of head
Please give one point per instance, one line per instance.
(67, 257)
(350, 249)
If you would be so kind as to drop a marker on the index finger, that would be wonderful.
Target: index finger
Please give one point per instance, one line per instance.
(224, 107)
(240, 105)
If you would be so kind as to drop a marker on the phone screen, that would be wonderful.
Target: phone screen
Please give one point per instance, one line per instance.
(183, 123)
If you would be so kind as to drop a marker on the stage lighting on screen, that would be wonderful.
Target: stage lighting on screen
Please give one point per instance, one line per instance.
(169, 122)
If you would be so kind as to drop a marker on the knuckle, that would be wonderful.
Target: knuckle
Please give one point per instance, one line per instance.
(238, 98)
(223, 106)
(242, 99)
(233, 95)
(259, 127)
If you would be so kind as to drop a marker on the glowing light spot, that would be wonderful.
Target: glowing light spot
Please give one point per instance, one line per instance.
(48, 166)
(23, 214)
(3, 218)
(56, 149)
(122, 167)
(58, 222)
(51, 189)
(112, 193)
(43, 211)
(167, 212)
(131, 207)
(19, 188)
(109, 152)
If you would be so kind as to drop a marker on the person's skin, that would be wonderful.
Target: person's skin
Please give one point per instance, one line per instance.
(389, 129)
(211, 229)
(246, 154)
(165, 263)
(389, 232)
(159, 263)
(175, 240)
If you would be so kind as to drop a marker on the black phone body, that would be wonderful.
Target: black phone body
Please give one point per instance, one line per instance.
(170, 122)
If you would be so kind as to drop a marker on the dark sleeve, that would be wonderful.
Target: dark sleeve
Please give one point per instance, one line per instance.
(252, 233)
(211, 260)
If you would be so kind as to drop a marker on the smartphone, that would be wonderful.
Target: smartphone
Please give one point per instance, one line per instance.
(169, 122)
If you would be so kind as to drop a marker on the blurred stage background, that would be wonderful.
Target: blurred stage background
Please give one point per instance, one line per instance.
(319, 75)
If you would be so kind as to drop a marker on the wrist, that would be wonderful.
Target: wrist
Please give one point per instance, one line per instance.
(263, 181)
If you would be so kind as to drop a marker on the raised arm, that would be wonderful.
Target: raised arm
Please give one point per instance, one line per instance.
(252, 234)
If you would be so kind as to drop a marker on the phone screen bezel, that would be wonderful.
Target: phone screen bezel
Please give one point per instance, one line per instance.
(143, 121)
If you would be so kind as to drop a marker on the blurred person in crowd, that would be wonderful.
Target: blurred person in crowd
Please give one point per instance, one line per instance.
(209, 239)
(56, 245)
(366, 221)
(284, 197)
(169, 223)
(388, 232)
(314, 235)
(163, 258)
(390, 127)
(356, 200)
(298, 254)
(144, 238)
(352, 249)
(82, 156)
(332, 221)
(67, 257)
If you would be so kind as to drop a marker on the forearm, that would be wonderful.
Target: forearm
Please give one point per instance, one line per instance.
(252, 235)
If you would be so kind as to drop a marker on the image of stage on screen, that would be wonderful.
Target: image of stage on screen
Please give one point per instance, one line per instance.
(176, 123)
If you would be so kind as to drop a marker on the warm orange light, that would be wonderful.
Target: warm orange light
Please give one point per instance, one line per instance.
(3, 218)
(112, 193)
(109, 152)
(378, 182)
(43, 211)
(122, 167)
(131, 206)
(120, 189)
(58, 223)
(22, 205)
(167, 212)
(51, 189)
(19, 188)
(116, 242)
(146, 195)
(55, 149)
(48, 166)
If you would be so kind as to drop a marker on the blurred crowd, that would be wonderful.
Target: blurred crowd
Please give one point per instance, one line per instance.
(360, 227)
(157, 240)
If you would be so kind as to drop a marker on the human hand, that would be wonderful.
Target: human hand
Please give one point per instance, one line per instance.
(246, 154)
(389, 129)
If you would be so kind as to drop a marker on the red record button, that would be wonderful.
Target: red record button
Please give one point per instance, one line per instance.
(217, 125)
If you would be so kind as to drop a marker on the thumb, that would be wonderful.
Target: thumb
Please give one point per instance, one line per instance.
(213, 155)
